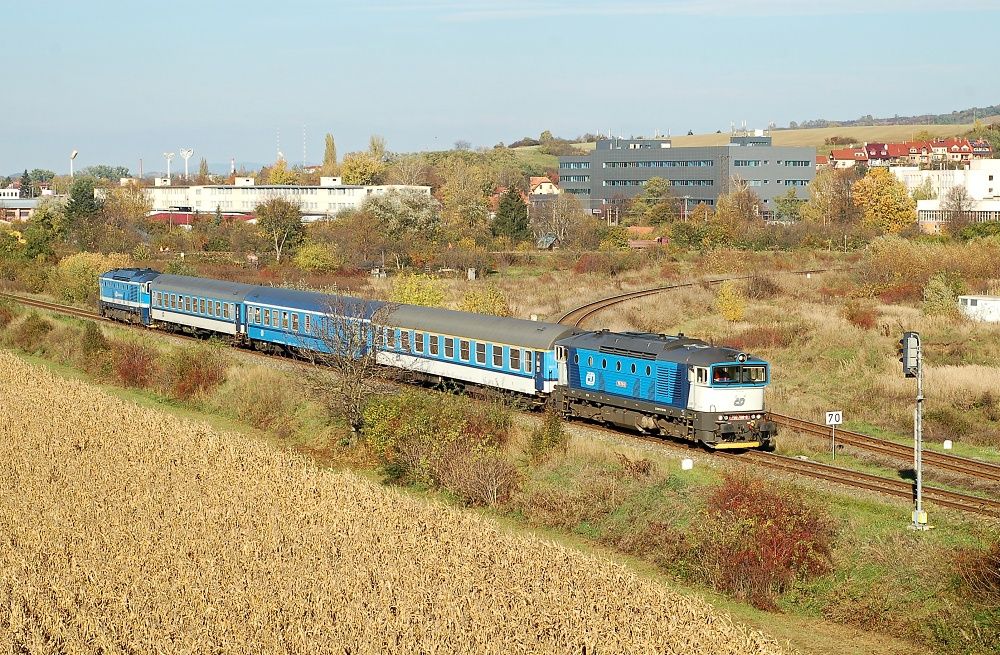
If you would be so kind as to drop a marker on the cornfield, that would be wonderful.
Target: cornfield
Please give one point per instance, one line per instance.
(124, 529)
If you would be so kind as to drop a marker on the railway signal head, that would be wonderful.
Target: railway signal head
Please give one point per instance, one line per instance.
(909, 353)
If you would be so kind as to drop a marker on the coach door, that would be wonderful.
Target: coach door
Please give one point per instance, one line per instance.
(561, 363)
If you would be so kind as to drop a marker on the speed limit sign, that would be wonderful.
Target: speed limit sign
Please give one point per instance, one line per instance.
(834, 418)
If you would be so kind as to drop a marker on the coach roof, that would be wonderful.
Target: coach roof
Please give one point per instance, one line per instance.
(204, 287)
(495, 329)
(311, 301)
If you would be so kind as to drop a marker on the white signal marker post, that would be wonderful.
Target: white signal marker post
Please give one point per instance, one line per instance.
(911, 358)
(833, 419)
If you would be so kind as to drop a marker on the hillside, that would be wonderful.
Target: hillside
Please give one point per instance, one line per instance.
(123, 529)
(957, 117)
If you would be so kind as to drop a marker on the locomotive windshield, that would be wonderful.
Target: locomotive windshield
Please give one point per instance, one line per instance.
(739, 374)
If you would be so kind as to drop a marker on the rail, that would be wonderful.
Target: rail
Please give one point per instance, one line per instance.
(945, 461)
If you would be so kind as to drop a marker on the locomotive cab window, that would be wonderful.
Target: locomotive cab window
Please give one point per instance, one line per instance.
(702, 375)
(754, 374)
(725, 374)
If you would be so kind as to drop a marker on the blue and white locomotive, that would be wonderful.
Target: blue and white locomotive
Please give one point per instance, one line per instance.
(657, 384)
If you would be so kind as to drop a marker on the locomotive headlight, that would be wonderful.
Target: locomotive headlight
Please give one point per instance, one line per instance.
(722, 418)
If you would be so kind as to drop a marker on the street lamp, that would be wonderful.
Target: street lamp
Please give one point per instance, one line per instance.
(686, 198)
(186, 155)
(72, 156)
(168, 156)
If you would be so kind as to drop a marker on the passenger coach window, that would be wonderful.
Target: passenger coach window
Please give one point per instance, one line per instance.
(308, 326)
(435, 344)
(201, 304)
(295, 322)
(187, 304)
(449, 348)
(225, 310)
(267, 317)
(218, 308)
(515, 359)
(173, 301)
(284, 320)
(480, 353)
(418, 342)
(529, 361)
(404, 336)
(463, 351)
(497, 357)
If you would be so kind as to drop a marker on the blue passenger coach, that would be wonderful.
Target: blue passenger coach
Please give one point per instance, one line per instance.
(198, 305)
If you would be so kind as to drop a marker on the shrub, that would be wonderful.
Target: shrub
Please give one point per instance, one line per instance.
(979, 571)
(92, 339)
(489, 299)
(759, 537)
(180, 267)
(416, 289)
(194, 370)
(34, 276)
(316, 258)
(941, 296)
(75, 277)
(6, 314)
(860, 314)
(730, 302)
(443, 440)
(764, 336)
(549, 436)
(29, 333)
(761, 287)
(134, 364)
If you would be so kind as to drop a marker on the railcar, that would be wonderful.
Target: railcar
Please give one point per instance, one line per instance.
(671, 385)
(124, 294)
(198, 306)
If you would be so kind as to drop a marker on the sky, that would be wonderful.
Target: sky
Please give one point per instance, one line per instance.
(123, 81)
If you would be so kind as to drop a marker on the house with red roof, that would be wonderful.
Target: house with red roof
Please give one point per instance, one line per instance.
(848, 157)
(954, 149)
(981, 149)
(822, 161)
(878, 154)
(542, 185)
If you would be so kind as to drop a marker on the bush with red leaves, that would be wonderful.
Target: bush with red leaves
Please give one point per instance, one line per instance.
(134, 364)
(759, 537)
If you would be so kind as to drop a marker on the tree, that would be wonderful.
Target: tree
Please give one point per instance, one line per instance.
(925, 191)
(316, 257)
(488, 299)
(405, 214)
(124, 210)
(563, 217)
(352, 332)
(329, 167)
(105, 172)
(280, 223)
(416, 289)
(408, 170)
(958, 203)
(26, 191)
(884, 201)
(279, 174)
(203, 173)
(376, 147)
(463, 195)
(923, 135)
(361, 168)
(788, 206)
(740, 205)
(46, 227)
(656, 204)
(82, 213)
(463, 145)
(831, 198)
(730, 301)
(511, 219)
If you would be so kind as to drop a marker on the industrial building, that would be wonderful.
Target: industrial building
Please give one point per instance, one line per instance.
(327, 199)
(617, 169)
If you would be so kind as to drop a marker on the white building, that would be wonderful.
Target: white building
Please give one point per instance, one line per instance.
(981, 179)
(980, 308)
(329, 198)
(10, 194)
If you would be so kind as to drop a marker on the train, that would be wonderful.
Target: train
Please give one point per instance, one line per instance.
(658, 384)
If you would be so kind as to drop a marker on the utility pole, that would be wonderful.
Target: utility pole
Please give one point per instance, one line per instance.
(911, 358)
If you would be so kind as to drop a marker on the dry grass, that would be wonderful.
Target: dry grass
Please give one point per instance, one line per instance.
(123, 529)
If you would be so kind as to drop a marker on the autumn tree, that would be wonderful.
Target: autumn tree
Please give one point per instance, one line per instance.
(511, 220)
(408, 170)
(656, 204)
(361, 168)
(884, 201)
(376, 147)
(417, 289)
(924, 191)
(279, 174)
(565, 218)
(788, 206)
(124, 210)
(740, 205)
(280, 223)
(465, 211)
(831, 198)
(329, 167)
(405, 214)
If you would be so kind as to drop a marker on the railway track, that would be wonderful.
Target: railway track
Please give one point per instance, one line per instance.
(887, 486)
(944, 461)
(878, 484)
(576, 317)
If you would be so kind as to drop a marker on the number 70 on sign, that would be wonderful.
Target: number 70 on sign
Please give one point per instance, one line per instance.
(834, 418)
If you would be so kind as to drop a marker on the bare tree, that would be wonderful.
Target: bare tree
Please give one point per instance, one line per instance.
(958, 205)
(351, 335)
(409, 169)
(560, 216)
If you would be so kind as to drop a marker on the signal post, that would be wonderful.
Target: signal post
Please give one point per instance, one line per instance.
(911, 358)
